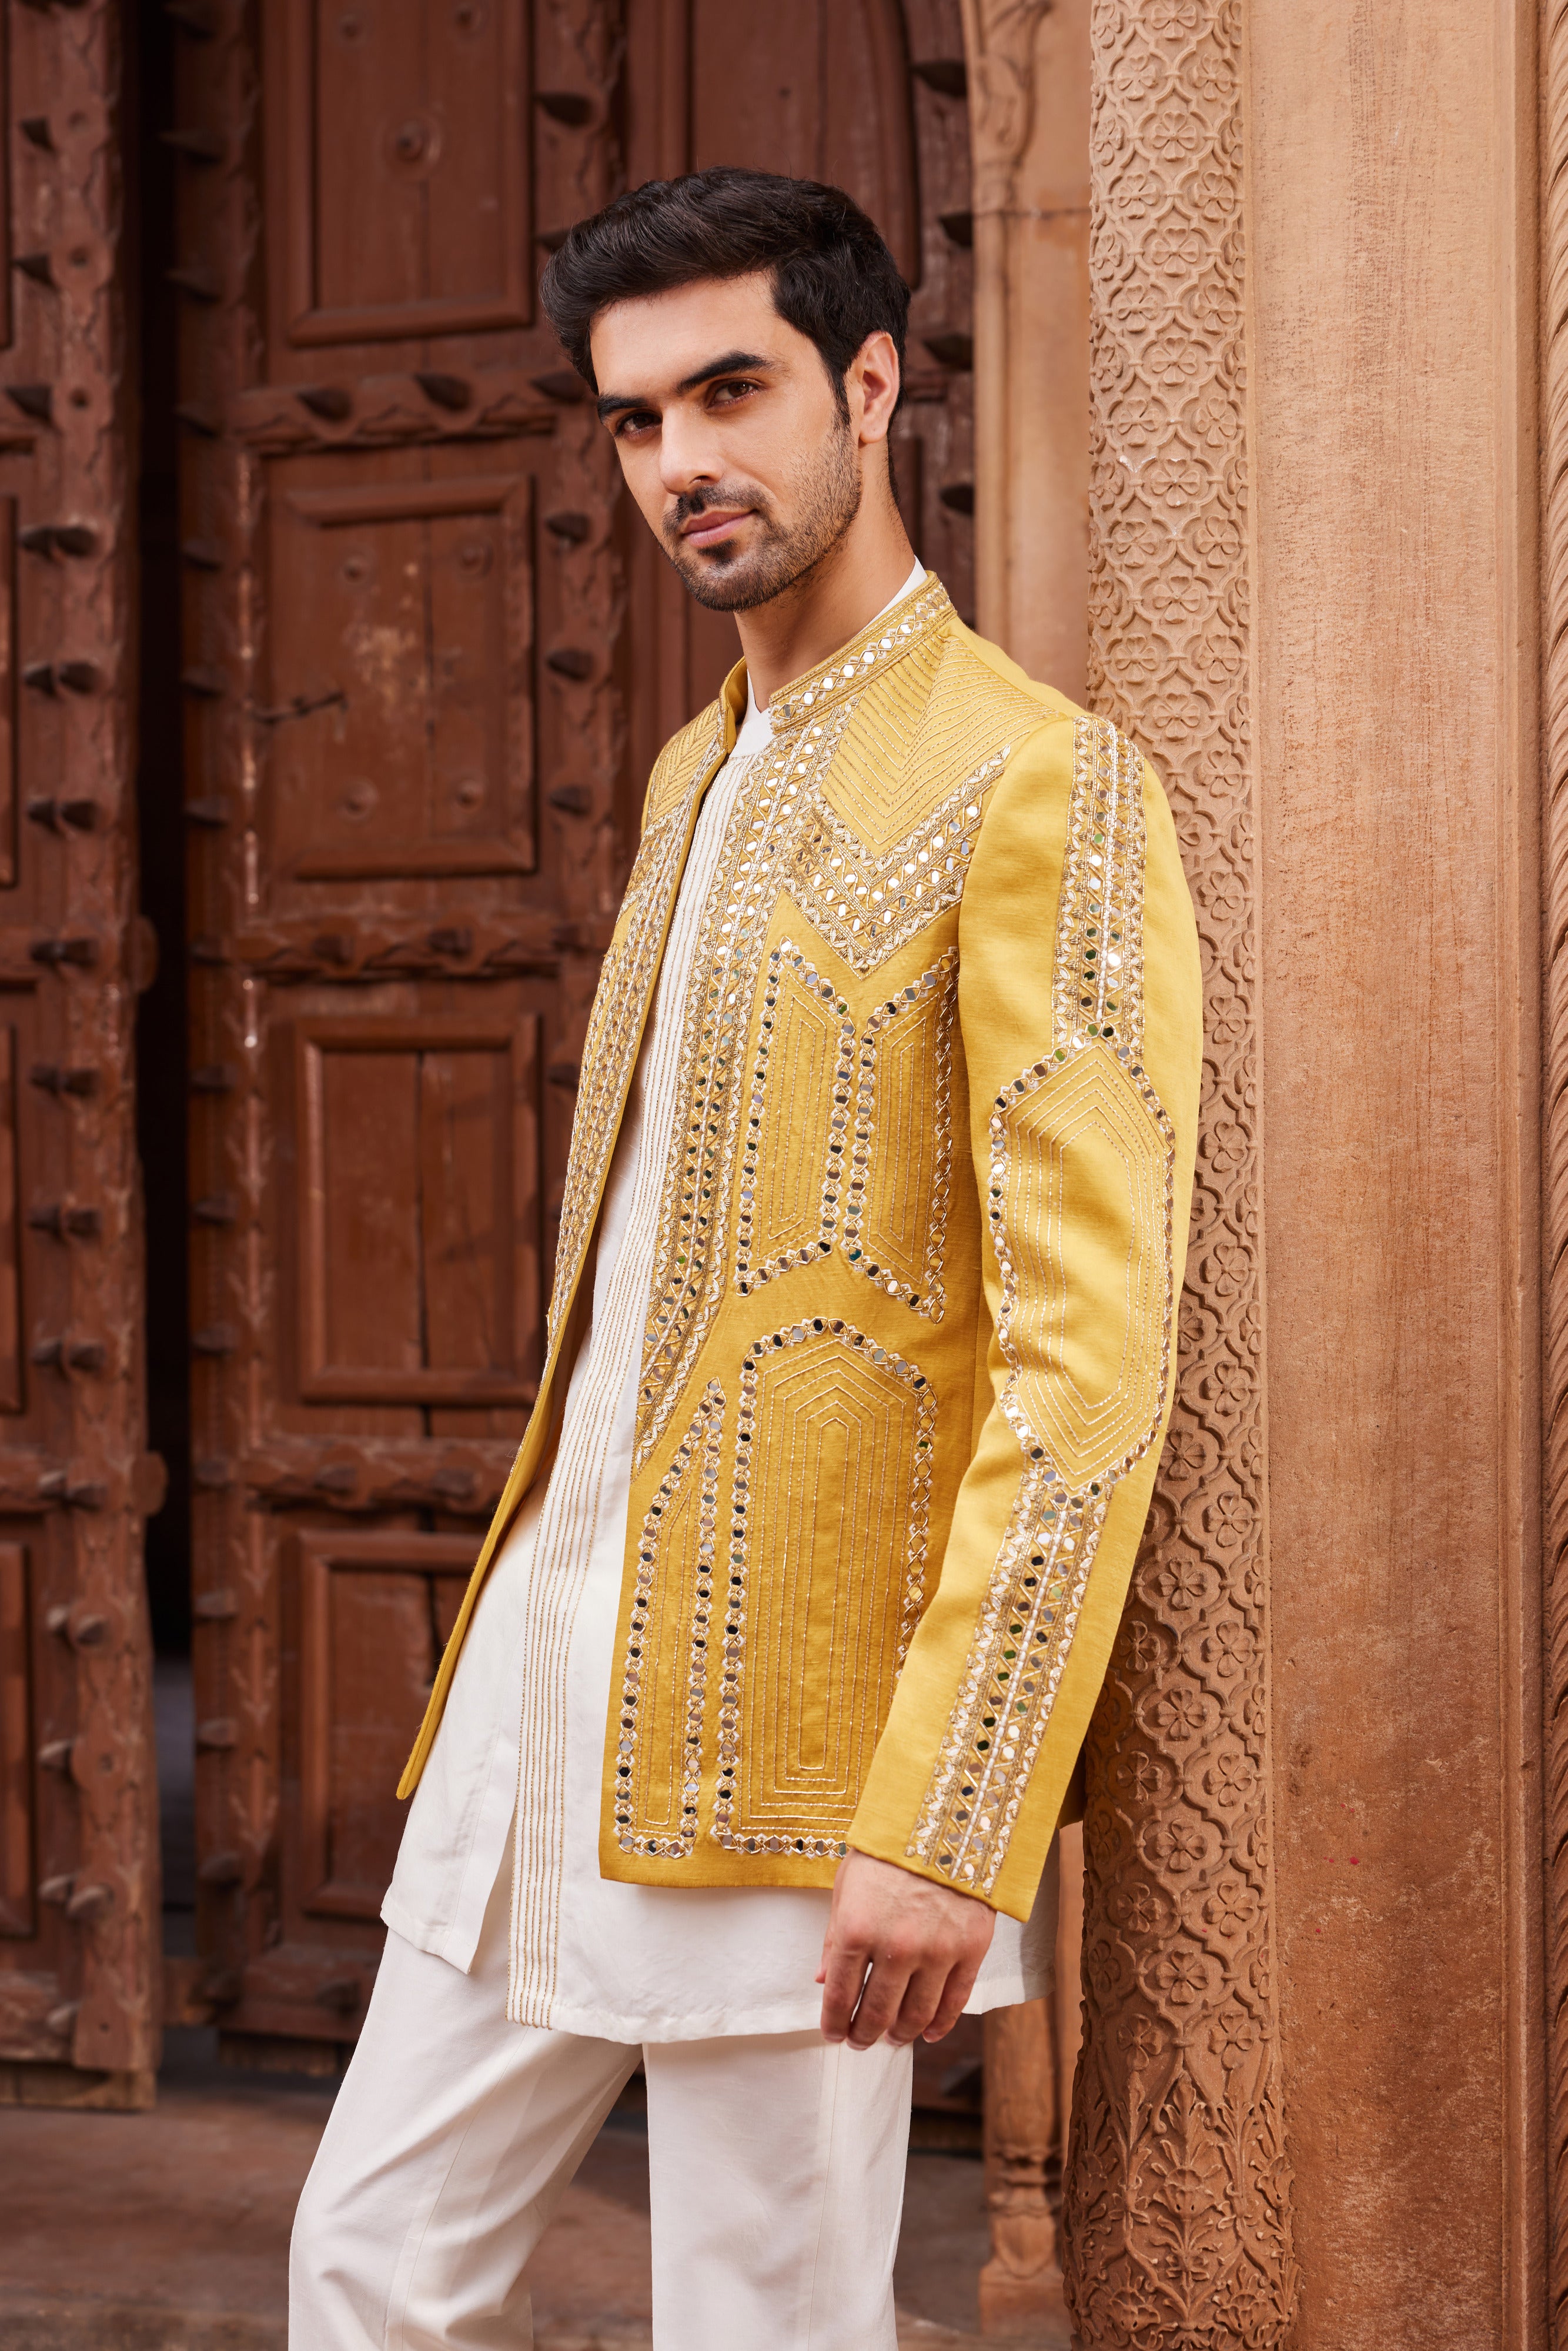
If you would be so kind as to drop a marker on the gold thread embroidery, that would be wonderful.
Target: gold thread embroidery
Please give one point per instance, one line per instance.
(905, 1265)
(786, 963)
(866, 1202)
(778, 1806)
(658, 1544)
(1025, 1629)
(867, 907)
(928, 609)
(694, 1215)
(781, 832)
(614, 1023)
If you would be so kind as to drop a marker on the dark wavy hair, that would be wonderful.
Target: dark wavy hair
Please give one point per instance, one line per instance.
(834, 277)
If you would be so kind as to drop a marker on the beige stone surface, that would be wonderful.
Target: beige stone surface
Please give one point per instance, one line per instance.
(1390, 216)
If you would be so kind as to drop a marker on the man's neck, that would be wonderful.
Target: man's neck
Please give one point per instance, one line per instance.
(837, 599)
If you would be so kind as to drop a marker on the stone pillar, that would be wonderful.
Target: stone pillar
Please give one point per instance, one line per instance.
(1029, 110)
(1177, 2196)
(1554, 1153)
(1029, 143)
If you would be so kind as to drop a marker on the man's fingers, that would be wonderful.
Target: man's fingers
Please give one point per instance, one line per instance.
(881, 2000)
(844, 1973)
(956, 1991)
(922, 1998)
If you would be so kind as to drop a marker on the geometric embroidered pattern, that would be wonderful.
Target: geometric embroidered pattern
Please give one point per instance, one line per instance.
(693, 1214)
(1083, 1160)
(660, 1747)
(867, 907)
(880, 1181)
(804, 1070)
(831, 1486)
(895, 1216)
(905, 682)
(621, 1004)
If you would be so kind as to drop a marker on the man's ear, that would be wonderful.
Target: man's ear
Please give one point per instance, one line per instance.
(876, 370)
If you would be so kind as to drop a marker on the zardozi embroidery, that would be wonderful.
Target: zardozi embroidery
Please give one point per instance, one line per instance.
(676, 1544)
(614, 1026)
(783, 809)
(863, 1117)
(818, 1400)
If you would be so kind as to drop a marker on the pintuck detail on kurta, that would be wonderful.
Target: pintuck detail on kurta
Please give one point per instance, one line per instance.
(906, 1358)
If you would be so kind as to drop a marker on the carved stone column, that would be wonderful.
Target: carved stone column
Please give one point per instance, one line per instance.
(1177, 2194)
(1028, 69)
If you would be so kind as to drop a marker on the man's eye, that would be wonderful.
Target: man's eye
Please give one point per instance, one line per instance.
(634, 419)
(737, 390)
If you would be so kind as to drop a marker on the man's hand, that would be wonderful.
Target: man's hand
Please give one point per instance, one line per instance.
(922, 1942)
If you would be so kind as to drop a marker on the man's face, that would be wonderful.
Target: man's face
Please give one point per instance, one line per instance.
(730, 436)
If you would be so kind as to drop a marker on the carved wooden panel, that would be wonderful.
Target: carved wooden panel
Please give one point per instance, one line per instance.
(830, 78)
(398, 167)
(419, 1214)
(374, 1613)
(406, 652)
(79, 1881)
(17, 1866)
(7, 245)
(1177, 2194)
(12, 1397)
(8, 685)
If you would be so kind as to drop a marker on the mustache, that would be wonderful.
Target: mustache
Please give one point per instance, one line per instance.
(722, 498)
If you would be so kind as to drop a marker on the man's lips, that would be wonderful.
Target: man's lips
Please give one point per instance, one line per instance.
(707, 530)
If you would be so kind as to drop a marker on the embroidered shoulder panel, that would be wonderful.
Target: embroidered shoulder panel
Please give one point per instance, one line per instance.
(1088, 1371)
(621, 1003)
(888, 842)
(685, 755)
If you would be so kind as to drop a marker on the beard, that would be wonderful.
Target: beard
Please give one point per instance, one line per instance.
(733, 579)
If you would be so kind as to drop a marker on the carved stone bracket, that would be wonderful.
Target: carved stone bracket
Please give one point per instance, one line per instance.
(1177, 2194)
(999, 37)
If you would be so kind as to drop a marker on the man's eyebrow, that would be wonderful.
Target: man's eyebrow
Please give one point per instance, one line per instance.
(611, 404)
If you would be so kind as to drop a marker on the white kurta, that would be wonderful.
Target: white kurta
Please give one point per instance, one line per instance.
(522, 1745)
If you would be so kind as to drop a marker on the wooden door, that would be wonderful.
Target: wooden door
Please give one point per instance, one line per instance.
(429, 656)
(77, 1796)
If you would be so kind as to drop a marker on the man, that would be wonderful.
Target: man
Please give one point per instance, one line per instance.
(749, 1748)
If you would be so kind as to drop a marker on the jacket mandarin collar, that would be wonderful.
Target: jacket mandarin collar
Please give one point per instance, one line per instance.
(888, 639)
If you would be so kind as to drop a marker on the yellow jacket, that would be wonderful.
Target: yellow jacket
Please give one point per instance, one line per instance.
(909, 1350)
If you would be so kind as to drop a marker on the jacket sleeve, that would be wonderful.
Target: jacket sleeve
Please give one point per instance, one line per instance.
(1079, 1006)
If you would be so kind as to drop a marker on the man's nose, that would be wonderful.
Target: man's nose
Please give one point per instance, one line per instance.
(688, 451)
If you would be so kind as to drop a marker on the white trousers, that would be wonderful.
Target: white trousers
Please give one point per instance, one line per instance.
(776, 2167)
